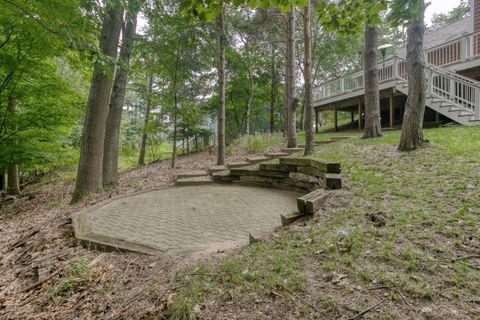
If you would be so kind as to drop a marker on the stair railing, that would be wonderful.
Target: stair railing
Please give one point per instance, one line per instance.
(460, 91)
(441, 83)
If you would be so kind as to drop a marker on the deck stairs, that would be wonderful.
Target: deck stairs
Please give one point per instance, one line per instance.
(450, 94)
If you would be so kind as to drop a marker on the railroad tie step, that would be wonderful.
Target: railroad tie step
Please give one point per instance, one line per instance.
(197, 173)
(322, 142)
(257, 159)
(291, 150)
(291, 218)
(194, 181)
(312, 201)
(217, 169)
(275, 155)
(238, 164)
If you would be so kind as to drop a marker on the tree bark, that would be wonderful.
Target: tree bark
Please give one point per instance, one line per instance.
(249, 101)
(112, 132)
(2, 181)
(291, 95)
(308, 107)
(13, 186)
(13, 183)
(143, 145)
(175, 105)
(373, 125)
(221, 87)
(273, 91)
(90, 166)
(412, 128)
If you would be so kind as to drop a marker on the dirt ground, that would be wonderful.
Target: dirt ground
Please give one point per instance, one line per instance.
(44, 274)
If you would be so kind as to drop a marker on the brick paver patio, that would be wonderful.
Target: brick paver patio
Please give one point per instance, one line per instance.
(181, 219)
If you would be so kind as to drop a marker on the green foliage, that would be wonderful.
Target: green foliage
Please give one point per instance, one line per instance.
(76, 275)
(404, 12)
(458, 13)
(38, 107)
(350, 16)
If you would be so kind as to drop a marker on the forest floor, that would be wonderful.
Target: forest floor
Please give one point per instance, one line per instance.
(401, 240)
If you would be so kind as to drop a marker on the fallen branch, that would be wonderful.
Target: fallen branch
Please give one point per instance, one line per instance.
(36, 284)
(466, 257)
(358, 315)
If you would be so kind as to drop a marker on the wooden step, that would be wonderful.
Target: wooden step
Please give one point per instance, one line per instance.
(274, 155)
(291, 150)
(291, 218)
(194, 181)
(191, 174)
(311, 202)
(217, 168)
(465, 114)
(224, 176)
(257, 159)
(455, 109)
(238, 164)
(333, 181)
(322, 142)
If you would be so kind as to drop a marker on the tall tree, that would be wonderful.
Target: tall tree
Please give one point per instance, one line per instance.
(89, 174)
(143, 144)
(112, 132)
(13, 186)
(221, 86)
(2, 181)
(291, 103)
(273, 89)
(307, 74)
(373, 126)
(175, 104)
(412, 13)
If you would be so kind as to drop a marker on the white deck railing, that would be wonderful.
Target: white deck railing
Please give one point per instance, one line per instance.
(441, 83)
(459, 50)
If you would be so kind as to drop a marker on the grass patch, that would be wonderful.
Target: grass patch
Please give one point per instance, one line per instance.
(154, 152)
(430, 204)
(257, 143)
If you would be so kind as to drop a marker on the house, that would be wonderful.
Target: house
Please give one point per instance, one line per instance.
(452, 56)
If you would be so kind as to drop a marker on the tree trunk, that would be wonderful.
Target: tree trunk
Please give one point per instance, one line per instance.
(285, 110)
(196, 142)
(412, 128)
(308, 107)
(2, 181)
(292, 100)
(143, 145)
(250, 101)
(273, 91)
(221, 87)
(112, 132)
(13, 184)
(302, 116)
(175, 105)
(373, 125)
(90, 166)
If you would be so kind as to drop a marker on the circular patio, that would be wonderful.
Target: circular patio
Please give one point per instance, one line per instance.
(179, 219)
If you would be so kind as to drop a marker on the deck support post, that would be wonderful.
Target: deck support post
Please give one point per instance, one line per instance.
(335, 120)
(352, 115)
(437, 116)
(316, 120)
(392, 110)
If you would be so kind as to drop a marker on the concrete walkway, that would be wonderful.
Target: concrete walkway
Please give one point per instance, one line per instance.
(184, 219)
